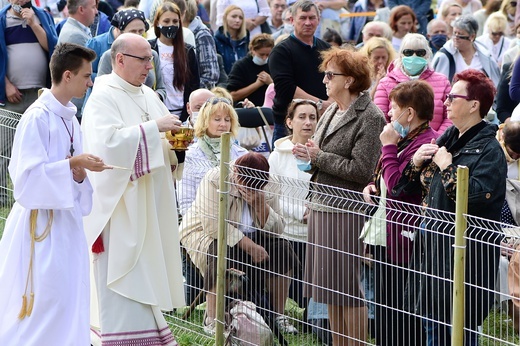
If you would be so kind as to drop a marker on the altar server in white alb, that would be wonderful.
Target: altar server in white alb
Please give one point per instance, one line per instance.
(44, 263)
(133, 225)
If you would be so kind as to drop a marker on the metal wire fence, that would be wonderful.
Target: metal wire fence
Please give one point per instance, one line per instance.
(401, 271)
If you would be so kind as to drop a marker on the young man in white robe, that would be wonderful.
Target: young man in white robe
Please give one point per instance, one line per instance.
(133, 225)
(47, 262)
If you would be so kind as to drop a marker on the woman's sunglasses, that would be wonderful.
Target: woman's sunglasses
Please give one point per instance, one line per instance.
(330, 74)
(418, 52)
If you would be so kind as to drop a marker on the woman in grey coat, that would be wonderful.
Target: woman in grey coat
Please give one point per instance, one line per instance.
(343, 154)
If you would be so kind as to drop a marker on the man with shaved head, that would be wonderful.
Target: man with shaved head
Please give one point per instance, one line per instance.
(133, 227)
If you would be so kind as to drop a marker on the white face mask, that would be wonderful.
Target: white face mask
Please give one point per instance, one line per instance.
(288, 28)
(259, 61)
(193, 117)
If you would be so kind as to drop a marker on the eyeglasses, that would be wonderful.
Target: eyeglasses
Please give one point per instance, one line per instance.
(214, 100)
(144, 59)
(330, 74)
(513, 3)
(461, 37)
(500, 33)
(418, 52)
(451, 97)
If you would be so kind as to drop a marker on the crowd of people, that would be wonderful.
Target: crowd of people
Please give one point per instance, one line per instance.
(370, 111)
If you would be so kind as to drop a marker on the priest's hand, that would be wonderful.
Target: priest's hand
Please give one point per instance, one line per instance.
(88, 161)
(169, 122)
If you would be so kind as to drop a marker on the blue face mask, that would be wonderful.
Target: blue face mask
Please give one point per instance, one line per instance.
(438, 40)
(401, 130)
(259, 61)
(414, 65)
(303, 165)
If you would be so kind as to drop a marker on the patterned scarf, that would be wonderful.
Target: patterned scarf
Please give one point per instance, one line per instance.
(210, 147)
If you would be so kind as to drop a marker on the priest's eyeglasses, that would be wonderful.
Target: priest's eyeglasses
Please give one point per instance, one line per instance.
(144, 59)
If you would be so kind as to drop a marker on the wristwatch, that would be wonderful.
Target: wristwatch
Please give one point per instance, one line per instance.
(319, 104)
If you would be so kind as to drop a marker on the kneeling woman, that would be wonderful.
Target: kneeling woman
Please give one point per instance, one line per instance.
(254, 227)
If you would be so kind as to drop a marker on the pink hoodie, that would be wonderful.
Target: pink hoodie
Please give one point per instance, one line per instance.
(441, 87)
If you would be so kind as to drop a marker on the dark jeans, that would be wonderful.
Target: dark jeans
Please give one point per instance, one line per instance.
(194, 281)
(279, 132)
(393, 327)
(438, 334)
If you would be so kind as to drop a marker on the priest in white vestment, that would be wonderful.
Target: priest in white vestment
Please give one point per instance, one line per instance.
(50, 268)
(133, 227)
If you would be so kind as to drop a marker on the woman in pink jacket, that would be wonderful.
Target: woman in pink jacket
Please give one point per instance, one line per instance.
(412, 64)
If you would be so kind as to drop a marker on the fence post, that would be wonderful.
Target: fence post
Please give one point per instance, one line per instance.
(459, 256)
(225, 153)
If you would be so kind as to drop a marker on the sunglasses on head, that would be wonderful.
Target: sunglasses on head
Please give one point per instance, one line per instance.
(214, 100)
(330, 74)
(419, 52)
(451, 97)
(305, 101)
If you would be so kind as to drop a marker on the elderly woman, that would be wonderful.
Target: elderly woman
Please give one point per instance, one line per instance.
(380, 54)
(254, 225)
(412, 107)
(495, 39)
(413, 63)
(343, 155)
(249, 76)
(469, 142)
(460, 53)
(215, 117)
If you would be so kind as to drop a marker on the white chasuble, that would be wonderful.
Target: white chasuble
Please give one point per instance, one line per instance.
(136, 206)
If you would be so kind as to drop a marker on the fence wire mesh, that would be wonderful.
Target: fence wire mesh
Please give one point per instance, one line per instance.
(404, 291)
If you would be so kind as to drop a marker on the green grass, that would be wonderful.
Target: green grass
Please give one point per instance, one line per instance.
(499, 331)
(190, 333)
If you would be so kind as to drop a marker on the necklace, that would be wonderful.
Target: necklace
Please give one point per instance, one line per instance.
(145, 116)
(71, 136)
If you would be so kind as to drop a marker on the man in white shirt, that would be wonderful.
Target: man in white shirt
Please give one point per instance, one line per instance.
(133, 224)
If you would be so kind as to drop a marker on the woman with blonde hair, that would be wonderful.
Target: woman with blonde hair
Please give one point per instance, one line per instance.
(449, 11)
(215, 117)
(232, 38)
(380, 54)
(495, 39)
(179, 65)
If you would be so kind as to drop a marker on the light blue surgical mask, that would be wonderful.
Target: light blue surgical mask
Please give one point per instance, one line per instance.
(303, 165)
(259, 61)
(401, 130)
(414, 65)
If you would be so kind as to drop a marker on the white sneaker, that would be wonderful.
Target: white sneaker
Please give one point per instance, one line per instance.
(285, 326)
(209, 326)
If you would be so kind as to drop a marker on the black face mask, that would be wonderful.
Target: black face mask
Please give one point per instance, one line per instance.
(169, 31)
